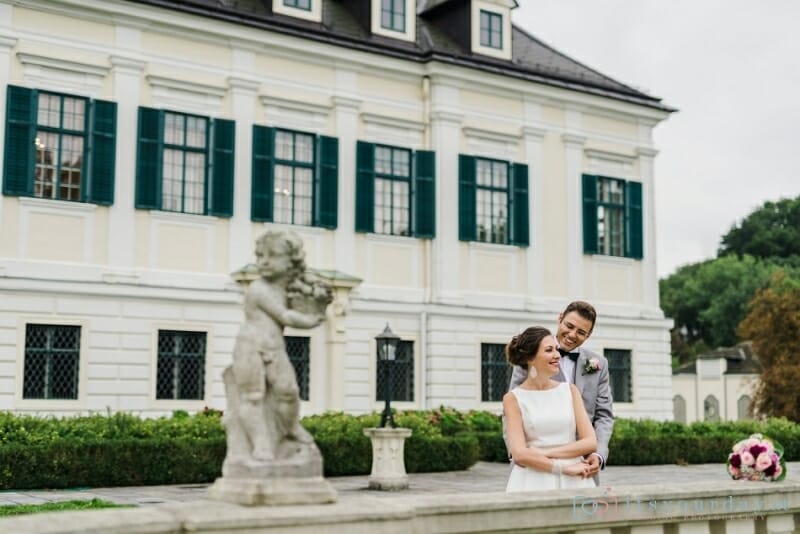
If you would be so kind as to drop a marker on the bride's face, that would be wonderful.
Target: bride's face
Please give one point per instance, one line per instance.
(547, 360)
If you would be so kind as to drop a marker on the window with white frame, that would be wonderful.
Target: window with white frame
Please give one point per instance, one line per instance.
(491, 29)
(612, 217)
(619, 373)
(63, 146)
(181, 365)
(298, 4)
(495, 372)
(52, 361)
(393, 15)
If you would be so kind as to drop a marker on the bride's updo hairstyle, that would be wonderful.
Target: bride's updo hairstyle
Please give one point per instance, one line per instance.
(523, 347)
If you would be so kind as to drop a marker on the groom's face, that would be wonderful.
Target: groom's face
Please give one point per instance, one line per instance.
(573, 330)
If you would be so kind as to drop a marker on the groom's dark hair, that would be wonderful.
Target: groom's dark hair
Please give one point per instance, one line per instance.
(582, 308)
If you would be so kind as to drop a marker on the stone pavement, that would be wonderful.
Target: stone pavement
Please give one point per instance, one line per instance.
(483, 477)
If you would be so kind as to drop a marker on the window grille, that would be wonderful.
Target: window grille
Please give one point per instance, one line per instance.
(298, 349)
(495, 372)
(181, 365)
(52, 361)
(619, 370)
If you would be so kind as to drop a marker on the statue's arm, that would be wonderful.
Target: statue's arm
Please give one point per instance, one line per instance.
(273, 304)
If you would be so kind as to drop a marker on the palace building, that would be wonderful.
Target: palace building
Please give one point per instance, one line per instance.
(450, 174)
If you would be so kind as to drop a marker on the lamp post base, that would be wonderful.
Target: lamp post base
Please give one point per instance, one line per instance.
(388, 463)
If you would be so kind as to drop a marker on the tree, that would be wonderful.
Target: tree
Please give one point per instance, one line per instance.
(708, 300)
(771, 231)
(773, 325)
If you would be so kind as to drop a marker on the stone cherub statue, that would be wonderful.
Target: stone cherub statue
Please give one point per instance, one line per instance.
(264, 435)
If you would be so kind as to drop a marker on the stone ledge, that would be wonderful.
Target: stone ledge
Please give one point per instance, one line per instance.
(751, 506)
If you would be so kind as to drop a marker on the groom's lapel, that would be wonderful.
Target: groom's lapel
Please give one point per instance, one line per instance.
(580, 378)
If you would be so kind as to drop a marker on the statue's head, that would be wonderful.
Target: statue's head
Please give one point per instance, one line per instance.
(280, 253)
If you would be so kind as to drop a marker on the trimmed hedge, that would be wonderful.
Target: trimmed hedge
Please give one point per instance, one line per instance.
(122, 449)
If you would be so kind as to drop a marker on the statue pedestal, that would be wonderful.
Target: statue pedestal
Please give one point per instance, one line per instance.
(272, 491)
(388, 463)
(274, 482)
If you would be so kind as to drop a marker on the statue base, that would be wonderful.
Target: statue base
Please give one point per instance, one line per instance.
(272, 491)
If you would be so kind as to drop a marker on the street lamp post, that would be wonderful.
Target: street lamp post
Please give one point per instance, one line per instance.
(387, 342)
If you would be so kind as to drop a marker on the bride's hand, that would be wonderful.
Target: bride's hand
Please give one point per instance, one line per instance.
(580, 469)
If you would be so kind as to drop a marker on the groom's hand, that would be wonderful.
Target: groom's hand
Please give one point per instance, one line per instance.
(594, 464)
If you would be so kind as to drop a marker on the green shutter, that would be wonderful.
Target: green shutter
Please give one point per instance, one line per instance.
(103, 152)
(19, 159)
(148, 158)
(327, 191)
(425, 193)
(262, 173)
(633, 218)
(365, 187)
(589, 214)
(221, 190)
(520, 233)
(466, 198)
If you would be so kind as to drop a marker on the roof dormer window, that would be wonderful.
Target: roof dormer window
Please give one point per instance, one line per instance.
(299, 4)
(393, 15)
(394, 18)
(491, 27)
(301, 9)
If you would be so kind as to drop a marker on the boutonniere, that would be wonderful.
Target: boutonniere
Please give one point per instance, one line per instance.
(592, 365)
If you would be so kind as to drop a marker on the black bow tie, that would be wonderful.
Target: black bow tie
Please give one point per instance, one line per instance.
(571, 355)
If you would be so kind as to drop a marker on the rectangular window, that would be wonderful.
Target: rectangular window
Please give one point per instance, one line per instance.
(181, 365)
(185, 163)
(402, 374)
(619, 372)
(52, 361)
(491, 212)
(295, 177)
(612, 216)
(63, 146)
(491, 30)
(395, 190)
(495, 372)
(299, 4)
(298, 349)
(392, 190)
(492, 201)
(393, 15)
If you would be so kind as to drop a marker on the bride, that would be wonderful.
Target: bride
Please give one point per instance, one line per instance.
(543, 417)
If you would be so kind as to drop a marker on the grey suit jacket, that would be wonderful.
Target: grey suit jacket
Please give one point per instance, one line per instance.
(595, 392)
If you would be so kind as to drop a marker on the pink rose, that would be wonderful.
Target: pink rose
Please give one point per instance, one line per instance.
(747, 459)
(763, 461)
(738, 447)
(778, 470)
(735, 473)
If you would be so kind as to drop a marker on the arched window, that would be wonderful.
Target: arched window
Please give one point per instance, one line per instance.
(711, 408)
(743, 407)
(679, 408)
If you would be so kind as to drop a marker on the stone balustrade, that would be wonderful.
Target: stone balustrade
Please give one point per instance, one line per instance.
(728, 507)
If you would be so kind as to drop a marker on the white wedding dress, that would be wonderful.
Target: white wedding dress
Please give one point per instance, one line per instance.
(548, 420)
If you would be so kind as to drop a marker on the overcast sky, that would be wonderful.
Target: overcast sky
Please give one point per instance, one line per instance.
(731, 67)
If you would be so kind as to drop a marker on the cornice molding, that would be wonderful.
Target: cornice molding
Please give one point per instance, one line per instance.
(50, 62)
(573, 140)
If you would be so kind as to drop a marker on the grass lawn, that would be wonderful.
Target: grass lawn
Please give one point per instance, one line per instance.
(58, 506)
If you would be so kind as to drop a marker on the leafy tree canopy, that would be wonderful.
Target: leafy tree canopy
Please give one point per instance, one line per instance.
(708, 300)
(773, 324)
(771, 231)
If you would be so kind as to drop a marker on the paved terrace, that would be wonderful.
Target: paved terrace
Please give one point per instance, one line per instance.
(483, 477)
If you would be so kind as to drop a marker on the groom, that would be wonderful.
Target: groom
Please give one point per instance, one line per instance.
(575, 325)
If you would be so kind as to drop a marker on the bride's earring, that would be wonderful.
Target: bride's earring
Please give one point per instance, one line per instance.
(532, 372)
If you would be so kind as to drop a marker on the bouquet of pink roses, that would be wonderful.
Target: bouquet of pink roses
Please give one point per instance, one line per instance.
(757, 458)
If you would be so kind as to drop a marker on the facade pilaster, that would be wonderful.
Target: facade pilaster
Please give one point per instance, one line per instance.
(243, 91)
(533, 139)
(649, 272)
(126, 73)
(346, 110)
(573, 151)
(7, 44)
